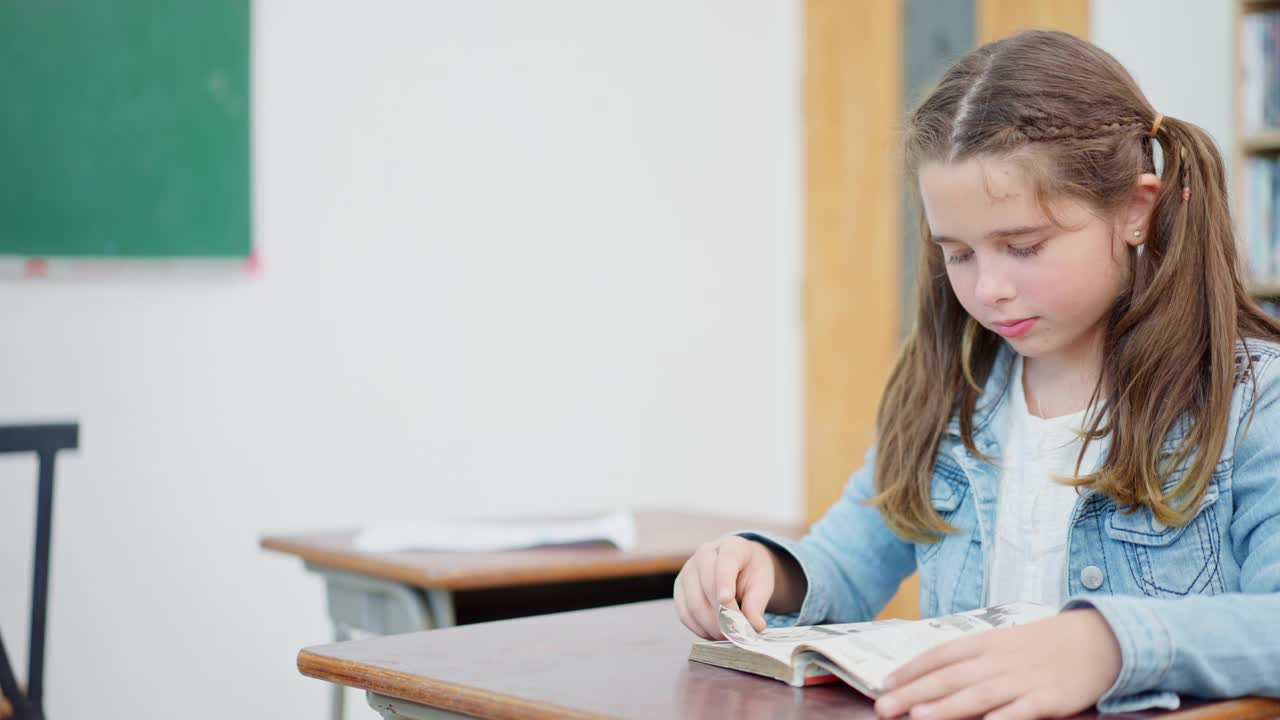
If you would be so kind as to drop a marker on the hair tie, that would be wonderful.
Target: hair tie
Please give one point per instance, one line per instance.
(1155, 126)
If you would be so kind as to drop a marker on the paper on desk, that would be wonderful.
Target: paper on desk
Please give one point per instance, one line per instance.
(618, 528)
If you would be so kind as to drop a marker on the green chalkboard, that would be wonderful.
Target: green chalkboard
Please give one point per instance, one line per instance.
(124, 128)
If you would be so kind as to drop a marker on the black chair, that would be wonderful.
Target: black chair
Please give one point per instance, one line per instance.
(45, 441)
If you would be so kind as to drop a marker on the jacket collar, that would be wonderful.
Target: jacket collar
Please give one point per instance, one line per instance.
(991, 412)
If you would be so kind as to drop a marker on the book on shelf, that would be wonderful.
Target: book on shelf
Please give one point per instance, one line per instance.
(1259, 223)
(1259, 115)
(1260, 83)
(859, 654)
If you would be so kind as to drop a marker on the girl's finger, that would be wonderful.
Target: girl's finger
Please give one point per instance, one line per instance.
(755, 597)
(1027, 707)
(729, 563)
(972, 700)
(948, 653)
(691, 612)
(934, 686)
(685, 619)
(677, 594)
(707, 561)
(703, 615)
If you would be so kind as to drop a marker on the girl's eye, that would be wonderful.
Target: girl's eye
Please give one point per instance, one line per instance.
(1014, 251)
(1025, 251)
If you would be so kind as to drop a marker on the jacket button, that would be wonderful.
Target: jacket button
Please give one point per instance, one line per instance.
(1157, 525)
(1092, 577)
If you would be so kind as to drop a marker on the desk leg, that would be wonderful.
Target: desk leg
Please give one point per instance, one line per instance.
(440, 603)
(379, 607)
(396, 709)
(337, 703)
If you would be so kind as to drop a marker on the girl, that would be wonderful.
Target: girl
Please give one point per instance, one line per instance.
(1086, 413)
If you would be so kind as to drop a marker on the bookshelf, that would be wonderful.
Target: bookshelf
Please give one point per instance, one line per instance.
(1255, 160)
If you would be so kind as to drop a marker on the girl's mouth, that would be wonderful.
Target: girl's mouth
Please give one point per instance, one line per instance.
(1016, 328)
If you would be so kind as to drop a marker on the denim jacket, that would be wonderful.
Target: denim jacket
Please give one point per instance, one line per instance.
(1196, 608)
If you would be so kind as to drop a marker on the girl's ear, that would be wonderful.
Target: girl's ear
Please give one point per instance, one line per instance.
(1137, 215)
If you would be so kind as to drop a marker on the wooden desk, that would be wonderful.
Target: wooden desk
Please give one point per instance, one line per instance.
(623, 661)
(400, 592)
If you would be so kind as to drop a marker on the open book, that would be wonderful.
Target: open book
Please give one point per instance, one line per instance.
(860, 654)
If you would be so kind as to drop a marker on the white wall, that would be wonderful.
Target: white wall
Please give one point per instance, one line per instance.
(1180, 52)
(517, 258)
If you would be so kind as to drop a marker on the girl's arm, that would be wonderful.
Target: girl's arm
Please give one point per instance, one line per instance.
(1214, 645)
(851, 562)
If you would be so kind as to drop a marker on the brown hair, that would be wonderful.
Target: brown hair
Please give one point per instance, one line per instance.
(1072, 115)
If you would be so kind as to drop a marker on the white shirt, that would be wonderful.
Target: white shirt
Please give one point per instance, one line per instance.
(1030, 555)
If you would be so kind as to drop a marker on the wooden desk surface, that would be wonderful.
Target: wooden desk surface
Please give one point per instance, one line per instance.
(622, 661)
(665, 542)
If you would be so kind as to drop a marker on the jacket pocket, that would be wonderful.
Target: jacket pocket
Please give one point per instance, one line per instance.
(946, 498)
(1172, 561)
(942, 563)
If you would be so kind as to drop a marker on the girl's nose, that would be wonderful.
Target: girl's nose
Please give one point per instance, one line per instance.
(993, 286)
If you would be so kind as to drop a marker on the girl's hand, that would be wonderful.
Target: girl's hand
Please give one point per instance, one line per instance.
(1050, 668)
(719, 573)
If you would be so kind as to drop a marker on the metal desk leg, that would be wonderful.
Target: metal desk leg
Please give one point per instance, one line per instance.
(378, 607)
(441, 604)
(337, 700)
(394, 709)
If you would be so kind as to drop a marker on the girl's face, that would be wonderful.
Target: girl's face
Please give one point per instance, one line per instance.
(1007, 262)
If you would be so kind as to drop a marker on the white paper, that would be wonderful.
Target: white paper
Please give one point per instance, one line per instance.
(618, 528)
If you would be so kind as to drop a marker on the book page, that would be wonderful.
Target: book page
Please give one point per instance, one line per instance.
(870, 657)
(779, 643)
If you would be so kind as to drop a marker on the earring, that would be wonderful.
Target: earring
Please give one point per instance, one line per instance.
(1137, 233)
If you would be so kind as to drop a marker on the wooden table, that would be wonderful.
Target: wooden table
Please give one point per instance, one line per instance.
(400, 592)
(624, 661)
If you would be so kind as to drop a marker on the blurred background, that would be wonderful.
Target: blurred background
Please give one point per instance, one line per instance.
(499, 257)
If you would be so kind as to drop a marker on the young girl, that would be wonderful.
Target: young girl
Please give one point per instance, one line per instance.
(1085, 414)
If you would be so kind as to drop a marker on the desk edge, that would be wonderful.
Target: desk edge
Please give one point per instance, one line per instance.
(374, 566)
(453, 697)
